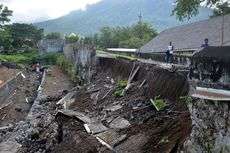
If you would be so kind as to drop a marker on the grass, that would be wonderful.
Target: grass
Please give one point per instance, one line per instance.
(129, 58)
(186, 99)
(117, 93)
(123, 83)
(158, 103)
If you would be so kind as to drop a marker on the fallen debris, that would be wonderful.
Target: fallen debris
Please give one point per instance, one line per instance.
(76, 114)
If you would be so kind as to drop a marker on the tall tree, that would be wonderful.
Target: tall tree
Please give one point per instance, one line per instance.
(5, 13)
(188, 8)
(221, 9)
(24, 34)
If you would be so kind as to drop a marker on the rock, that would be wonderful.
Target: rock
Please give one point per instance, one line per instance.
(95, 128)
(119, 123)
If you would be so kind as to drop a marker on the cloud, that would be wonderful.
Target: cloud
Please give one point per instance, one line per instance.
(39, 10)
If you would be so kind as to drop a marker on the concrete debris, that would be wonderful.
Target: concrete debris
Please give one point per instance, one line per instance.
(5, 128)
(108, 86)
(9, 147)
(94, 97)
(113, 107)
(119, 123)
(112, 137)
(95, 128)
(67, 100)
(72, 113)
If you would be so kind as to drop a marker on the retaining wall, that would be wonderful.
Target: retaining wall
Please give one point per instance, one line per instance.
(8, 88)
(82, 58)
(211, 130)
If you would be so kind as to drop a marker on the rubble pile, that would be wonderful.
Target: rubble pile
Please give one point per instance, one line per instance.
(119, 111)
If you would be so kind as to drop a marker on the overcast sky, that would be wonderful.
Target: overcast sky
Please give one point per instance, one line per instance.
(30, 11)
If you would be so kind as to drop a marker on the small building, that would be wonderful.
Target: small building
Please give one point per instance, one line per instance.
(188, 38)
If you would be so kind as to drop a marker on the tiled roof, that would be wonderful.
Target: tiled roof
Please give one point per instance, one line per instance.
(191, 36)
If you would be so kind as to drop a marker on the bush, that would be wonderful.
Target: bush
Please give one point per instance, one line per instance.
(123, 83)
(117, 93)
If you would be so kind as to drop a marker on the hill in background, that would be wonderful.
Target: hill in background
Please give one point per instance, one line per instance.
(118, 13)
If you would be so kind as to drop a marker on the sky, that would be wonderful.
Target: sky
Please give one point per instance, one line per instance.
(30, 11)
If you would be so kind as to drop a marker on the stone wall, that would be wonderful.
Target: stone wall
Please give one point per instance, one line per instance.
(83, 59)
(8, 88)
(209, 72)
(50, 45)
(211, 130)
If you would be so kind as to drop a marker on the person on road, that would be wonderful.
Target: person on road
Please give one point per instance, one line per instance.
(205, 44)
(170, 49)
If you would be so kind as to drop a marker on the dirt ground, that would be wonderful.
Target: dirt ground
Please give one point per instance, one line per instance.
(16, 107)
(6, 74)
(56, 81)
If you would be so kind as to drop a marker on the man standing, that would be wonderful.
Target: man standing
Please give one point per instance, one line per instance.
(205, 44)
(170, 49)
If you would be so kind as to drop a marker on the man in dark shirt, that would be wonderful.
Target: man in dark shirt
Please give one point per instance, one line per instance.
(205, 44)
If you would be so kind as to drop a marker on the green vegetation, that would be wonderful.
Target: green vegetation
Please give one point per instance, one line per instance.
(134, 36)
(129, 58)
(66, 67)
(63, 63)
(53, 35)
(5, 13)
(188, 8)
(221, 9)
(158, 103)
(123, 83)
(118, 93)
(186, 99)
(71, 38)
(164, 139)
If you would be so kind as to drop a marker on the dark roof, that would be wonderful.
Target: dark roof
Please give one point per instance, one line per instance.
(221, 53)
(191, 36)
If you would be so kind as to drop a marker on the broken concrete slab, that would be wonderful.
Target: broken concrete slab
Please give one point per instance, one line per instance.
(72, 113)
(119, 123)
(9, 147)
(4, 128)
(111, 137)
(95, 128)
(69, 98)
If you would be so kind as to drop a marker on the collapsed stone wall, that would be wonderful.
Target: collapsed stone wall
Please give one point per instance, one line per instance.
(211, 130)
(7, 89)
(168, 84)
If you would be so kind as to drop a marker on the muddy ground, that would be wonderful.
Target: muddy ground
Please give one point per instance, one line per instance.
(128, 123)
(6, 74)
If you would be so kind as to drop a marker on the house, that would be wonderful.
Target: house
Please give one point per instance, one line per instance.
(188, 38)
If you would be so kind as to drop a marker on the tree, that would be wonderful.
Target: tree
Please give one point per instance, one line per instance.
(188, 8)
(53, 35)
(221, 9)
(5, 13)
(26, 34)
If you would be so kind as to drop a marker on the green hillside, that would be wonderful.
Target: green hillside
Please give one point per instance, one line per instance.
(118, 13)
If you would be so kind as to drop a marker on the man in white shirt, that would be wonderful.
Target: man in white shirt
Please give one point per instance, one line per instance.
(170, 49)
